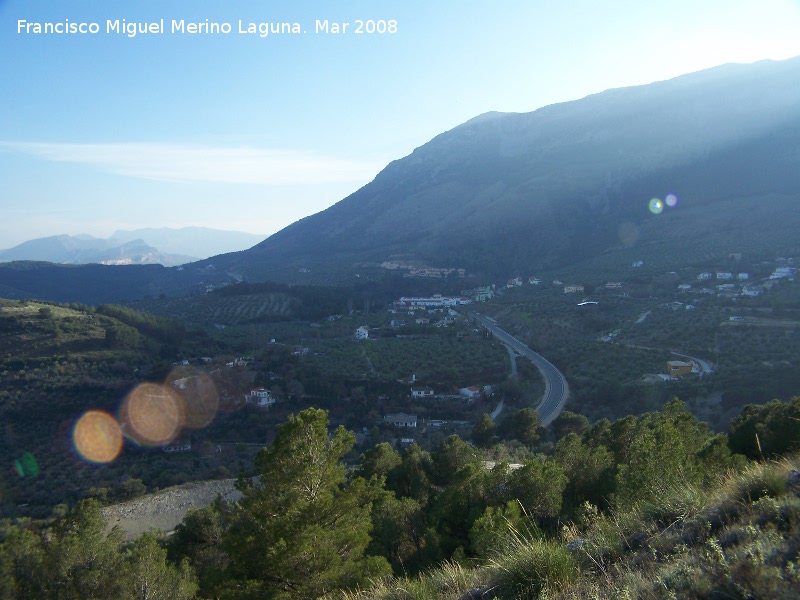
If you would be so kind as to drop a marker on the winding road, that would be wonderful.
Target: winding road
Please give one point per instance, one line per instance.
(556, 390)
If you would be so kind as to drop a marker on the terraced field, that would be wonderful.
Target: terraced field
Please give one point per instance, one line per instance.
(216, 309)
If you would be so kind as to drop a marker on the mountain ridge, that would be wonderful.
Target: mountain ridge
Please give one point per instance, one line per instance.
(568, 173)
(506, 194)
(164, 245)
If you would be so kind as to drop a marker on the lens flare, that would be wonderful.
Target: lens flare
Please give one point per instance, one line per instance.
(97, 437)
(656, 206)
(671, 200)
(152, 414)
(28, 465)
(199, 395)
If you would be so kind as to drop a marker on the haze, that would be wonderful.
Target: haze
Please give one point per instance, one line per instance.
(104, 132)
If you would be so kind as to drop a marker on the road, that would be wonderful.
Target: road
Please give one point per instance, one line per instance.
(556, 390)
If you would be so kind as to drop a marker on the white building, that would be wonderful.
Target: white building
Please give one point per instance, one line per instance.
(260, 397)
(362, 333)
(470, 392)
(752, 290)
(178, 446)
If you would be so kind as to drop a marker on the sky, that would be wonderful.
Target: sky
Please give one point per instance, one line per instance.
(244, 131)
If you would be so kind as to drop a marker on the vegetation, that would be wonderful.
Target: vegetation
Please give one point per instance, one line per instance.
(75, 558)
(651, 506)
(587, 508)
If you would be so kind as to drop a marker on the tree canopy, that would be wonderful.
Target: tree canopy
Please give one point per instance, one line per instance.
(303, 527)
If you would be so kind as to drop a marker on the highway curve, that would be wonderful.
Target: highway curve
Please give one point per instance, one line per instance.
(556, 390)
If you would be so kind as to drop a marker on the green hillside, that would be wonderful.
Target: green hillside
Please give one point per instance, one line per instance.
(56, 363)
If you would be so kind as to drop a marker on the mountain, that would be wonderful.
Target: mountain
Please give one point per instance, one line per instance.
(563, 192)
(74, 250)
(192, 241)
(165, 246)
(519, 193)
(56, 248)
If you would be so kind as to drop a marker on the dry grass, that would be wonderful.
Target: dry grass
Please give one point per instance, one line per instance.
(740, 539)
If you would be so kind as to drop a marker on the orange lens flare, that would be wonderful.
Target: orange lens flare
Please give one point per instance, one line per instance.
(152, 414)
(97, 437)
(199, 395)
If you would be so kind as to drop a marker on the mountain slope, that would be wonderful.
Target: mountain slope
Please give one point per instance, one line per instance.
(505, 192)
(561, 191)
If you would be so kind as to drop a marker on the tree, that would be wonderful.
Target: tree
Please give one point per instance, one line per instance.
(381, 460)
(151, 577)
(496, 523)
(539, 487)
(81, 561)
(398, 533)
(589, 471)
(569, 422)
(199, 539)
(662, 455)
(302, 528)
(412, 478)
(524, 426)
(483, 432)
(21, 563)
(450, 457)
(766, 431)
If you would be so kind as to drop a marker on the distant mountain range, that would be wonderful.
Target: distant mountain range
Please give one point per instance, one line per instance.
(165, 246)
(568, 188)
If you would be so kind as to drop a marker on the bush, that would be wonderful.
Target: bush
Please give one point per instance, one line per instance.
(527, 565)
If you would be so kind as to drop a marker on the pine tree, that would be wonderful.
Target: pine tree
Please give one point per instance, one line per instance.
(302, 527)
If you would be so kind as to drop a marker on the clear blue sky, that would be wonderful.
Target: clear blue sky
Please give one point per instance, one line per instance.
(103, 131)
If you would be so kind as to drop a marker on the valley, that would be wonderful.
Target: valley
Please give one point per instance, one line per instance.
(569, 337)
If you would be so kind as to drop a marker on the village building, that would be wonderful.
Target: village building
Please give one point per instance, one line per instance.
(437, 300)
(480, 294)
(362, 333)
(678, 368)
(401, 420)
(176, 447)
(260, 397)
(752, 290)
(470, 393)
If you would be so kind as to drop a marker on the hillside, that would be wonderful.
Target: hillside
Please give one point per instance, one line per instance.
(508, 193)
(56, 363)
